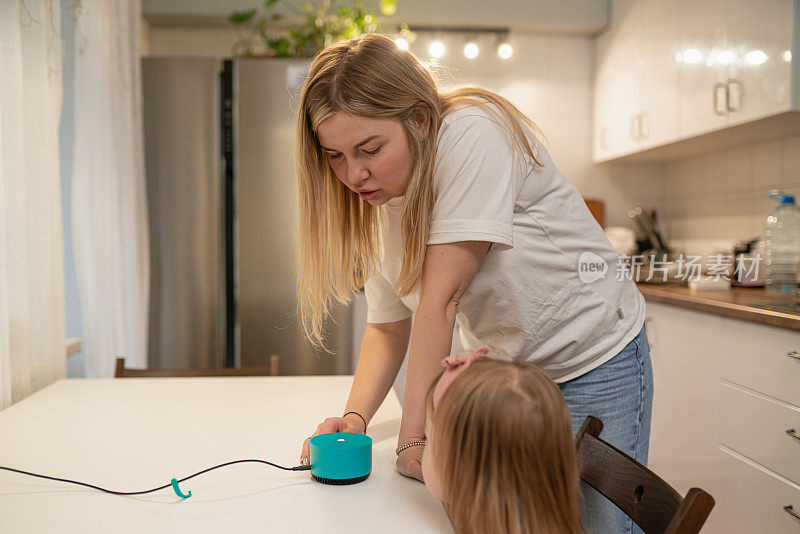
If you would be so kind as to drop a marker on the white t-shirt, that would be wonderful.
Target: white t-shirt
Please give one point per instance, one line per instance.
(527, 300)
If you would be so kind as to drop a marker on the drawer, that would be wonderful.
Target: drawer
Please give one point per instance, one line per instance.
(749, 499)
(755, 427)
(757, 357)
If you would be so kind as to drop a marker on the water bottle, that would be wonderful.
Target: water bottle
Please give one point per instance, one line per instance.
(782, 245)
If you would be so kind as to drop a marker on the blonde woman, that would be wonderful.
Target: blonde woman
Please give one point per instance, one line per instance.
(446, 207)
(499, 451)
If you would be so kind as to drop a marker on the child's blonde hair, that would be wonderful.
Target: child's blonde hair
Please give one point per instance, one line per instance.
(338, 232)
(504, 452)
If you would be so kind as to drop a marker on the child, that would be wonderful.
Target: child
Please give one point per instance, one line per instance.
(500, 453)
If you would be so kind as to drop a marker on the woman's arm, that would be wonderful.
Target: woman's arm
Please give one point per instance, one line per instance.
(447, 271)
(382, 351)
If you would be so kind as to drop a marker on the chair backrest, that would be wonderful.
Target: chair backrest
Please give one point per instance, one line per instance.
(646, 498)
(271, 370)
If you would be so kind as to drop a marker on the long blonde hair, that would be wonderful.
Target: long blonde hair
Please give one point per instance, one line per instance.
(504, 452)
(338, 232)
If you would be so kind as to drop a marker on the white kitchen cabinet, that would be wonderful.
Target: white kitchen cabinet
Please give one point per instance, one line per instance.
(724, 397)
(762, 358)
(759, 34)
(618, 83)
(733, 68)
(668, 72)
(658, 117)
(701, 90)
(635, 86)
(751, 499)
(684, 436)
(757, 427)
(603, 98)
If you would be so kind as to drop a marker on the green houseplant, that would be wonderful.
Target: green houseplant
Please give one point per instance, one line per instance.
(267, 33)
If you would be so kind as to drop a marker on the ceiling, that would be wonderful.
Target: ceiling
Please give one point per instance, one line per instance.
(551, 16)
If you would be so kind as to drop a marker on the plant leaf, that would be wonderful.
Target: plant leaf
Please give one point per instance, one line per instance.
(241, 17)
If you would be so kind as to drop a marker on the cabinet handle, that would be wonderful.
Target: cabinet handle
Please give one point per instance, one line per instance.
(789, 509)
(734, 95)
(644, 125)
(715, 103)
(793, 354)
(792, 432)
(634, 127)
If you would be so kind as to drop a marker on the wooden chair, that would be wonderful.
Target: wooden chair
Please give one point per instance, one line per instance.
(647, 499)
(271, 370)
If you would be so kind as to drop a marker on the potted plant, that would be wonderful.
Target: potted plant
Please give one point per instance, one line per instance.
(266, 33)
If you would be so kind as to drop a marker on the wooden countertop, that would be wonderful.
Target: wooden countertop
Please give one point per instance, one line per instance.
(737, 302)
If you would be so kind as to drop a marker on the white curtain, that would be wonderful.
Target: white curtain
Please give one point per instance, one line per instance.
(32, 339)
(109, 212)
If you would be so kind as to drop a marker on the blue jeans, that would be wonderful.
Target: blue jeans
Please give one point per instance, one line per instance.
(620, 394)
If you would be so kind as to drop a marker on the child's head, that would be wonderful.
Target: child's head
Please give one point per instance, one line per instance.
(500, 452)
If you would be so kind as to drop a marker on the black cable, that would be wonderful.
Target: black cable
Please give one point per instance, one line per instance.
(297, 468)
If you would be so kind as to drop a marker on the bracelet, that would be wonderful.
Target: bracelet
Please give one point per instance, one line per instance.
(362, 418)
(400, 449)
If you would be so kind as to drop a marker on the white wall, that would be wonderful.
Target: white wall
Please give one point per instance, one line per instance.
(189, 41)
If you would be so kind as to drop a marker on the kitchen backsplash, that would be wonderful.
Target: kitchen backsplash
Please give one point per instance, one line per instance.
(716, 198)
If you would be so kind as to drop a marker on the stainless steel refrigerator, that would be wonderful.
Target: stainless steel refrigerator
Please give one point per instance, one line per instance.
(222, 208)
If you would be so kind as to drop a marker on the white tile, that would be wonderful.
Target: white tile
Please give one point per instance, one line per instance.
(673, 171)
(697, 227)
(791, 162)
(571, 56)
(723, 227)
(636, 180)
(581, 175)
(671, 209)
(767, 165)
(686, 179)
(727, 171)
(735, 205)
(531, 52)
(678, 228)
(568, 137)
(530, 95)
(761, 208)
(570, 97)
(686, 207)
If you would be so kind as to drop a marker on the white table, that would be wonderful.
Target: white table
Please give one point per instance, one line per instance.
(138, 433)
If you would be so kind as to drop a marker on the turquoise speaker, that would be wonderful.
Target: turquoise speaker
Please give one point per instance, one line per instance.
(341, 458)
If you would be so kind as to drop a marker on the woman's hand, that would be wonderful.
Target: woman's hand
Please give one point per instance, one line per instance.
(409, 462)
(332, 424)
